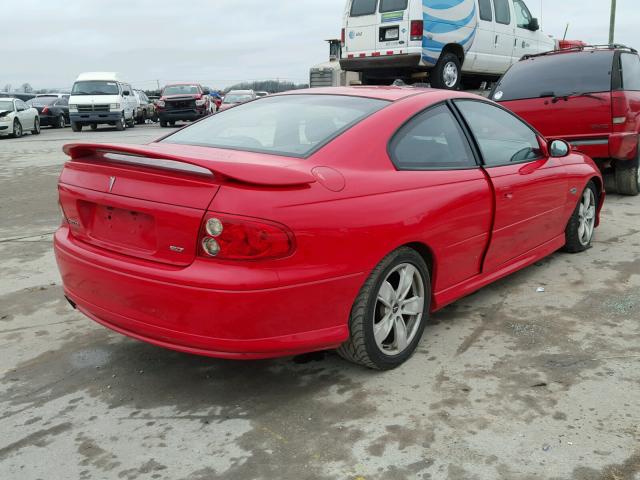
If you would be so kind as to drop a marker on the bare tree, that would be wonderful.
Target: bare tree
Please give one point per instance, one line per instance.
(26, 87)
(7, 88)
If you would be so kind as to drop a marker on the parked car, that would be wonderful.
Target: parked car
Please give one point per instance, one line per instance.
(101, 98)
(390, 39)
(16, 118)
(52, 109)
(146, 109)
(317, 219)
(183, 102)
(588, 96)
(236, 97)
(262, 94)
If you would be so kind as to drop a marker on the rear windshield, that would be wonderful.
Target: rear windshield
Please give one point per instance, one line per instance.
(363, 7)
(42, 101)
(290, 125)
(237, 98)
(556, 75)
(181, 90)
(392, 5)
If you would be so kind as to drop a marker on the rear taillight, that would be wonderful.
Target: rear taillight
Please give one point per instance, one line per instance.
(343, 36)
(45, 110)
(619, 108)
(417, 27)
(227, 237)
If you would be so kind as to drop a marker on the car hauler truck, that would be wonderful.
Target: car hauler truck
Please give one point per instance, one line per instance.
(330, 74)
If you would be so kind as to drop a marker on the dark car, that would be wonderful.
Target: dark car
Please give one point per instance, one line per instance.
(183, 101)
(53, 110)
(586, 95)
(146, 109)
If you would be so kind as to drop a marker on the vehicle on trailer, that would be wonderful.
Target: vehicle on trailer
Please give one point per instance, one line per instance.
(455, 42)
(146, 109)
(588, 96)
(53, 110)
(101, 98)
(316, 219)
(237, 97)
(183, 102)
(16, 118)
(330, 74)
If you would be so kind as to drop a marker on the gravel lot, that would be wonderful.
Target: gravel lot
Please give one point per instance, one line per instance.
(509, 383)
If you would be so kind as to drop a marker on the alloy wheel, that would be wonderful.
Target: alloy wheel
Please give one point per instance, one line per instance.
(450, 74)
(399, 309)
(17, 129)
(587, 217)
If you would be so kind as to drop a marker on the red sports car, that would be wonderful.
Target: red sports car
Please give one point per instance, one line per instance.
(318, 219)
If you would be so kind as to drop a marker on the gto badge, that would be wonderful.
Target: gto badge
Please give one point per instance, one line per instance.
(176, 249)
(112, 181)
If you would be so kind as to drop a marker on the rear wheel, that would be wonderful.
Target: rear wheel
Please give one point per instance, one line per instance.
(94, 126)
(36, 127)
(447, 72)
(17, 129)
(581, 227)
(120, 124)
(389, 315)
(76, 127)
(173, 124)
(60, 122)
(628, 177)
(142, 118)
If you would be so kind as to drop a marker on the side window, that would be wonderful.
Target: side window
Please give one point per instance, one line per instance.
(523, 16)
(433, 140)
(363, 7)
(502, 138)
(485, 10)
(62, 102)
(21, 105)
(630, 71)
(393, 5)
(503, 14)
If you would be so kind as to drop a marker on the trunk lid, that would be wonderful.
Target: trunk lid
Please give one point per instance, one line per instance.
(148, 201)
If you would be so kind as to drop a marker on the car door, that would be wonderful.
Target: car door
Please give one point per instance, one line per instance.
(483, 47)
(530, 189)
(526, 40)
(361, 27)
(26, 117)
(432, 149)
(504, 37)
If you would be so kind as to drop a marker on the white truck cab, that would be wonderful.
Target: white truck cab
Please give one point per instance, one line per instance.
(101, 98)
(444, 39)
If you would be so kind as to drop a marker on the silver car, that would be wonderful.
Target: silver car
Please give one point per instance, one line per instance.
(16, 118)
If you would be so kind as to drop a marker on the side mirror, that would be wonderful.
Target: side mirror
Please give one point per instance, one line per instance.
(126, 93)
(534, 25)
(559, 148)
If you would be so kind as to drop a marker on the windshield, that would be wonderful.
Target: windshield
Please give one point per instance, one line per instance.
(181, 90)
(292, 125)
(237, 98)
(42, 101)
(95, 87)
(556, 75)
(6, 105)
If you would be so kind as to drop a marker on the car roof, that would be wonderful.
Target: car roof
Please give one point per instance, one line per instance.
(582, 49)
(389, 93)
(241, 92)
(195, 84)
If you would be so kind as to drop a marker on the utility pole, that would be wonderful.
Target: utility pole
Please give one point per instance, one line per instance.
(612, 23)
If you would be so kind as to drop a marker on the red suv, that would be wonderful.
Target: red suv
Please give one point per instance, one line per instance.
(586, 95)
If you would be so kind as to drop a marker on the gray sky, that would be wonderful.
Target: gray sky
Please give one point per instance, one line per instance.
(216, 42)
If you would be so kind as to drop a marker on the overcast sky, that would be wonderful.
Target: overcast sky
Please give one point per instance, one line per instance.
(216, 42)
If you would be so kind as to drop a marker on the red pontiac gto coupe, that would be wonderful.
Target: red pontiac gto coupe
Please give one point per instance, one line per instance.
(318, 219)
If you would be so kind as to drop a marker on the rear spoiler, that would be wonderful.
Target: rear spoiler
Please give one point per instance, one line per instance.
(155, 156)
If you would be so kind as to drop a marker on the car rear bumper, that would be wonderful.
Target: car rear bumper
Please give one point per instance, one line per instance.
(234, 323)
(48, 120)
(619, 146)
(359, 64)
(95, 117)
(190, 115)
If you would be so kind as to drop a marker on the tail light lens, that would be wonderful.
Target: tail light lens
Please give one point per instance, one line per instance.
(343, 36)
(417, 27)
(45, 110)
(619, 108)
(227, 237)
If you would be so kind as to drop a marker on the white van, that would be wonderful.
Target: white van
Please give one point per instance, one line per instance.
(444, 39)
(101, 98)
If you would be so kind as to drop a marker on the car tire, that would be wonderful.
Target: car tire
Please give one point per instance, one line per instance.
(60, 122)
(581, 226)
(173, 124)
(376, 344)
(163, 123)
(36, 127)
(76, 127)
(94, 126)
(628, 177)
(17, 129)
(121, 124)
(131, 122)
(447, 74)
(141, 120)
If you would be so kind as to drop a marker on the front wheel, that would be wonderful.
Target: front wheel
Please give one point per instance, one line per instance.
(628, 177)
(17, 129)
(121, 124)
(447, 73)
(76, 127)
(389, 315)
(36, 127)
(60, 122)
(582, 224)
